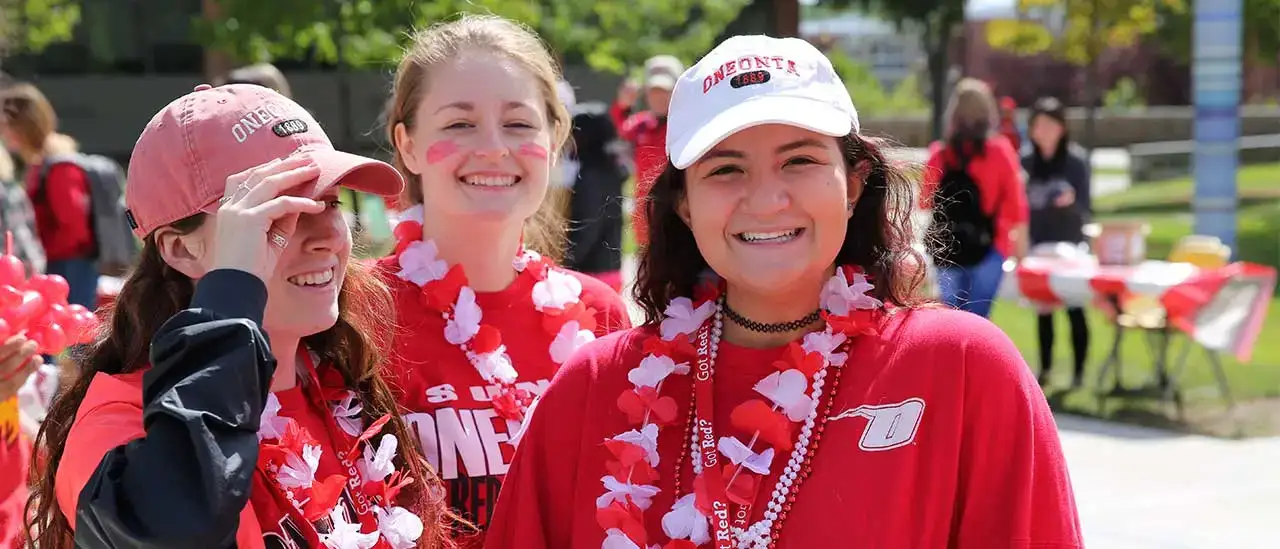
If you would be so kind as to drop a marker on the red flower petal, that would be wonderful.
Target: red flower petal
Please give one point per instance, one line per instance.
(743, 489)
(324, 495)
(662, 410)
(775, 428)
(408, 230)
(366, 435)
(406, 233)
(486, 340)
(627, 518)
(440, 295)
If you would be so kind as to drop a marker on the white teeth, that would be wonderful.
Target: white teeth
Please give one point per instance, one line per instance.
(766, 237)
(491, 180)
(313, 279)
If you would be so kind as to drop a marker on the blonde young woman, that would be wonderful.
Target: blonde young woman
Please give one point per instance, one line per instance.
(485, 315)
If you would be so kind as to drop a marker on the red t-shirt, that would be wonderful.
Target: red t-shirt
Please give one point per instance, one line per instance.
(62, 211)
(462, 436)
(980, 466)
(647, 133)
(997, 171)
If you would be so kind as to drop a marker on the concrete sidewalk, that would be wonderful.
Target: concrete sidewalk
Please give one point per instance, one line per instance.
(1141, 488)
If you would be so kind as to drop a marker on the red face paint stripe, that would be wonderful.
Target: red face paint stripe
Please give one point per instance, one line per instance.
(530, 149)
(441, 150)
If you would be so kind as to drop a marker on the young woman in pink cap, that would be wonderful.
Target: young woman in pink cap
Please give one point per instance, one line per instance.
(786, 392)
(235, 399)
(485, 316)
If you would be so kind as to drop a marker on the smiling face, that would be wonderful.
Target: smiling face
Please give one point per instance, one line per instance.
(768, 206)
(1046, 133)
(302, 294)
(481, 142)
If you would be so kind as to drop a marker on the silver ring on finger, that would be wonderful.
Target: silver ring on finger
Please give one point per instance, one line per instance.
(278, 240)
(242, 187)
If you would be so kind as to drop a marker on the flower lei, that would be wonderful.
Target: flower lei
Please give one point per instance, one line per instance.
(793, 394)
(556, 294)
(291, 457)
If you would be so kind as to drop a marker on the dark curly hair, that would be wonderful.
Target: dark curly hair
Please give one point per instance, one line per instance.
(879, 237)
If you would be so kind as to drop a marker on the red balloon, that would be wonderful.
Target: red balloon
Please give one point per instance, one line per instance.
(79, 309)
(9, 296)
(59, 313)
(53, 339)
(58, 289)
(26, 312)
(5, 331)
(12, 272)
(86, 328)
(53, 287)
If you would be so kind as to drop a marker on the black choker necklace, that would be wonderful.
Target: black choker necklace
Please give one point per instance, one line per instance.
(774, 328)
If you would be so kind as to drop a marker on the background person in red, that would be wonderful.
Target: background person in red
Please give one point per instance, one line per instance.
(245, 443)
(646, 130)
(1009, 122)
(801, 400)
(484, 321)
(28, 126)
(998, 213)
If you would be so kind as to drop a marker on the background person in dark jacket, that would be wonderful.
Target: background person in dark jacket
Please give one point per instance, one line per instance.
(595, 207)
(1058, 175)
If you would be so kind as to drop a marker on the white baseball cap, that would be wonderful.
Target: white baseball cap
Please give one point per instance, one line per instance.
(752, 80)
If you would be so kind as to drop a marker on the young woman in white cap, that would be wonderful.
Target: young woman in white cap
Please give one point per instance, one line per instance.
(786, 391)
(485, 316)
(234, 399)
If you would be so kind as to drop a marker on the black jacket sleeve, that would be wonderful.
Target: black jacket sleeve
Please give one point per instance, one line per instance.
(186, 481)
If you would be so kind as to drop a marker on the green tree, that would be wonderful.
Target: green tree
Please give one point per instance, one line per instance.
(871, 96)
(1261, 22)
(32, 25)
(1079, 31)
(936, 22)
(609, 35)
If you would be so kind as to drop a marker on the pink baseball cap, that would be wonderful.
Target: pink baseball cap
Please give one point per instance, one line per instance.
(184, 156)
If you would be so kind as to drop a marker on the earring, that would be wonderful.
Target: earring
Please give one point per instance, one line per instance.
(849, 207)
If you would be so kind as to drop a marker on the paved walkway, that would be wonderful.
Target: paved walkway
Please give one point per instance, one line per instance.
(1140, 488)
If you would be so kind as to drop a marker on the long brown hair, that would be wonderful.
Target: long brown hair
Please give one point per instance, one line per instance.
(153, 293)
(545, 231)
(31, 116)
(879, 237)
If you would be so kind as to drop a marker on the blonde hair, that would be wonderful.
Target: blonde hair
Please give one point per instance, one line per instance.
(971, 111)
(443, 42)
(30, 114)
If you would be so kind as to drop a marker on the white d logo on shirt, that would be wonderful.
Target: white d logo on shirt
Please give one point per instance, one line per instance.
(889, 426)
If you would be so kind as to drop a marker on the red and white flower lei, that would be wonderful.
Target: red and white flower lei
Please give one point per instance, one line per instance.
(556, 294)
(291, 458)
(792, 394)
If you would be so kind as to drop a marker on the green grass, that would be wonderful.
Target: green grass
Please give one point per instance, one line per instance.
(1166, 206)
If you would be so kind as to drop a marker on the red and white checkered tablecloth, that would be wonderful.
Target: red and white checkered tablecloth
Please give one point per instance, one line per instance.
(1222, 308)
